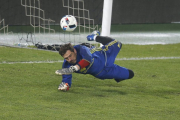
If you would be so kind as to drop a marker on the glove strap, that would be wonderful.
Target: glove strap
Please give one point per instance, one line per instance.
(73, 68)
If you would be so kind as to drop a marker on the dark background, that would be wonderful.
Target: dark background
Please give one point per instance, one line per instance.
(124, 11)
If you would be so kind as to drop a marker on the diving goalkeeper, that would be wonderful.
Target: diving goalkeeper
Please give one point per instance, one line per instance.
(98, 62)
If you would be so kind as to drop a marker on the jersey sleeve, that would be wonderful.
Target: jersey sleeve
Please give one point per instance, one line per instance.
(66, 78)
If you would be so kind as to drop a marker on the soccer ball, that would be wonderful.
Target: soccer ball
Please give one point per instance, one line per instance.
(68, 23)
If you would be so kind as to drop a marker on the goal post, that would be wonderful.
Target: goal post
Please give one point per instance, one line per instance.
(106, 20)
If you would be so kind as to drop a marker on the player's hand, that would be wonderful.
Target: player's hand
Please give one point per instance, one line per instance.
(63, 86)
(93, 35)
(73, 68)
(66, 71)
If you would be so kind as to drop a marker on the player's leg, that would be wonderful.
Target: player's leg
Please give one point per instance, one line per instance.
(122, 73)
(103, 40)
(112, 49)
(111, 46)
(116, 72)
(95, 36)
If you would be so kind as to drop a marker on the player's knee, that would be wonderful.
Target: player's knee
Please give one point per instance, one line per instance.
(131, 74)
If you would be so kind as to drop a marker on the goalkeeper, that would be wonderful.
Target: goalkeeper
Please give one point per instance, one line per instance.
(98, 62)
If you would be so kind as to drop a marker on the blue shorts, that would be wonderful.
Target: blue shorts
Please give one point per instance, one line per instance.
(114, 72)
(111, 70)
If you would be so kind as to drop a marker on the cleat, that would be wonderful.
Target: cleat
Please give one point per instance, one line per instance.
(93, 35)
(96, 33)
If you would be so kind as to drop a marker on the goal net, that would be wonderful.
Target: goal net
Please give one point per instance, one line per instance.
(33, 22)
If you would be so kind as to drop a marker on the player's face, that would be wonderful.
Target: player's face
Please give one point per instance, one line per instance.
(70, 56)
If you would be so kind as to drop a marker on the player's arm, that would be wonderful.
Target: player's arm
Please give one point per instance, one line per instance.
(66, 79)
(82, 64)
(86, 55)
(86, 60)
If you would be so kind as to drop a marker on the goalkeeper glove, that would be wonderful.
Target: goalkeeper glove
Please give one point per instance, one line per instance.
(63, 86)
(93, 35)
(66, 71)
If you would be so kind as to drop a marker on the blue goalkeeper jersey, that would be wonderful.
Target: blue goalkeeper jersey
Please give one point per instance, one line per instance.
(95, 56)
(101, 62)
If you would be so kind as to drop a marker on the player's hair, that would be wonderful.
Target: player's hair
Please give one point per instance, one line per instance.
(66, 47)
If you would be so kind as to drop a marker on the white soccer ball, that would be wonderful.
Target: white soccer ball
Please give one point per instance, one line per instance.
(68, 23)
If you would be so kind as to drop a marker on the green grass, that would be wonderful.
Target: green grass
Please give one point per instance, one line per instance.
(29, 91)
(149, 50)
(21, 54)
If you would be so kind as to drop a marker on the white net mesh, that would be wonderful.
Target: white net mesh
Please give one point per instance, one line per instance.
(40, 29)
(3, 27)
(37, 16)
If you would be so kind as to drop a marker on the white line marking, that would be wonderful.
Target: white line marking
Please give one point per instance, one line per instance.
(31, 62)
(143, 58)
(148, 58)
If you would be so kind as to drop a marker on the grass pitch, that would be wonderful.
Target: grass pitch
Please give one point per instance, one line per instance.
(29, 90)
